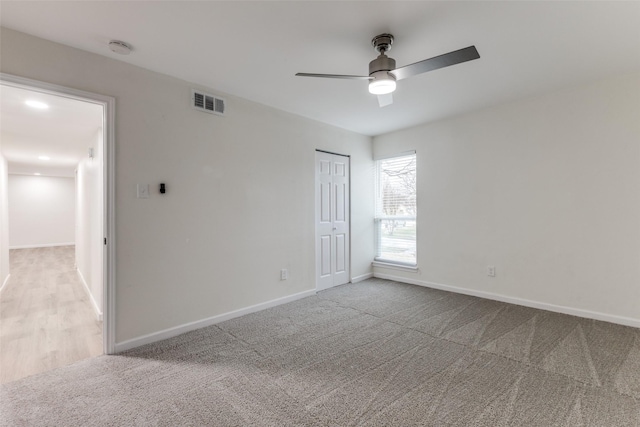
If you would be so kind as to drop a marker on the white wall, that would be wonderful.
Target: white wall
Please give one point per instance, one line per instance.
(240, 191)
(4, 222)
(41, 211)
(89, 223)
(546, 189)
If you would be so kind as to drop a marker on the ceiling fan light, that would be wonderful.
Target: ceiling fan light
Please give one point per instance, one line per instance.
(382, 87)
(382, 84)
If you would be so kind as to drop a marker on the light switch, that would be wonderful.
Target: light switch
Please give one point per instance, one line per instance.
(143, 191)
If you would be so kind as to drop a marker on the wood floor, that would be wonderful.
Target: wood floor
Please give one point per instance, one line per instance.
(46, 318)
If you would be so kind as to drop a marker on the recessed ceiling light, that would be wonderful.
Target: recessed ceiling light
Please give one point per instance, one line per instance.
(44, 157)
(120, 47)
(37, 104)
(37, 173)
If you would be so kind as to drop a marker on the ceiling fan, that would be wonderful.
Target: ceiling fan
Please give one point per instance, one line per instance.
(383, 73)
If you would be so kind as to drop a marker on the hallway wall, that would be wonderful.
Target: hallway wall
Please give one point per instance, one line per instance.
(41, 211)
(89, 233)
(4, 223)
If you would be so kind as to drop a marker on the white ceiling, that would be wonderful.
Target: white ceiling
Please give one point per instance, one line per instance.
(62, 132)
(253, 49)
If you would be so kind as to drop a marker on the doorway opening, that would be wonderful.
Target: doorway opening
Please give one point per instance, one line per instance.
(56, 212)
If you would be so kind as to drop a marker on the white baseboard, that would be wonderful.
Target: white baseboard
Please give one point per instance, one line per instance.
(6, 280)
(93, 301)
(621, 320)
(361, 277)
(42, 245)
(191, 326)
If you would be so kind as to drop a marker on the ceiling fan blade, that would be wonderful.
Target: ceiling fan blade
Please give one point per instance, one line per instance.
(384, 100)
(334, 76)
(452, 58)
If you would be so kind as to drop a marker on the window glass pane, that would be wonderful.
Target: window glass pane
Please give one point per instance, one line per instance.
(396, 209)
(397, 240)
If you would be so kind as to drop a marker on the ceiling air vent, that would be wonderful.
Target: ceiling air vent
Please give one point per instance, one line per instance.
(207, 103)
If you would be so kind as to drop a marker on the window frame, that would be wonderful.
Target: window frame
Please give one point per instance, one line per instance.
(379, 216)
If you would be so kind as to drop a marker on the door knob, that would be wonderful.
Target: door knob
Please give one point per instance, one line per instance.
(335, 228)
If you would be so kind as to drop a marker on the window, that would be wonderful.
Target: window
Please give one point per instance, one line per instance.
(396, 210)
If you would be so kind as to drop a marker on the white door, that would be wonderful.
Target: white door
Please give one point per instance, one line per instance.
(332, 220)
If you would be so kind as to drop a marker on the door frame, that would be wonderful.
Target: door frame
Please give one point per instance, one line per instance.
(108, 214)
(315, 207)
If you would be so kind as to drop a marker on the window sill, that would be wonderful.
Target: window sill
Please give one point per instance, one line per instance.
(381, 264)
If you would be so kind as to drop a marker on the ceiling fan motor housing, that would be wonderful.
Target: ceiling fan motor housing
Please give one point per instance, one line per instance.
(382, 63)
(382, 44)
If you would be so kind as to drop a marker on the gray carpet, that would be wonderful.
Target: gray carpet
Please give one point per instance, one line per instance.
(376, 353)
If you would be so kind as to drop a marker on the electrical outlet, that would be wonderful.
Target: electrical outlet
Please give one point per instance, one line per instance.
(491, 271)
(284, 274)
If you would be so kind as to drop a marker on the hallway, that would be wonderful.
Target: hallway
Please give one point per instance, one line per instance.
(46, 318)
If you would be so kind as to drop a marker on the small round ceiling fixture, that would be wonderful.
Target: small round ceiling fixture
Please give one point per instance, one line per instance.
(44, 157)
(120, 47)
(37, 174)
